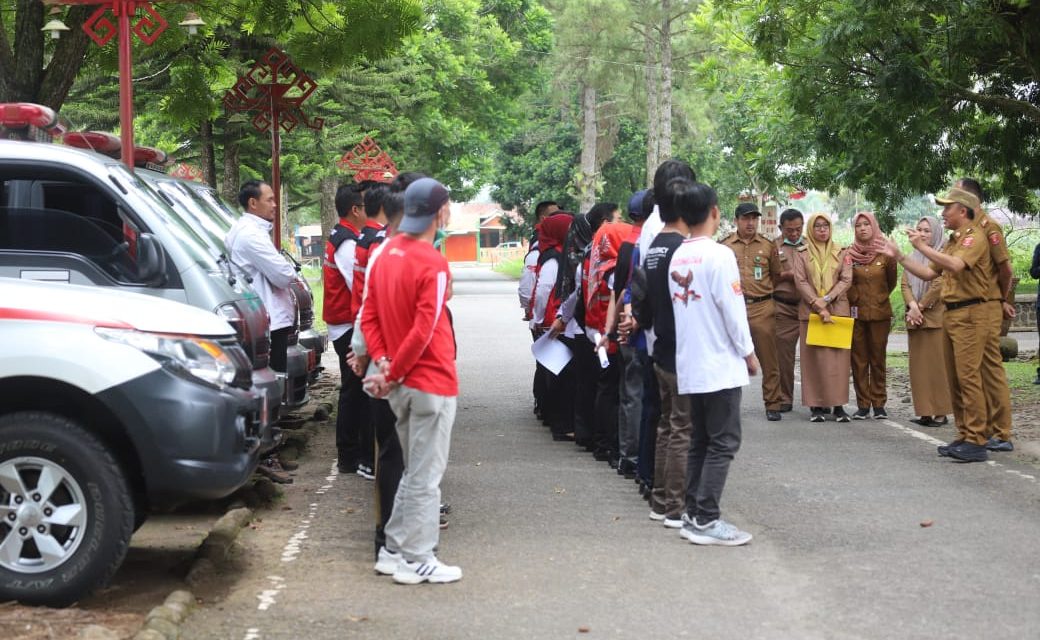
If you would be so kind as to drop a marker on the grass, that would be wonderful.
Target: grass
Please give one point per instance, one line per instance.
(511, 268)
(313, 276)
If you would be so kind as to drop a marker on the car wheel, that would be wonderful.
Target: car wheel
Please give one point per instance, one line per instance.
(66, 513)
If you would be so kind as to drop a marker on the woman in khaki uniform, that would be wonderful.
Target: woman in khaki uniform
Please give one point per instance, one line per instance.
(822, 274)
(924, 318)
(874, 277)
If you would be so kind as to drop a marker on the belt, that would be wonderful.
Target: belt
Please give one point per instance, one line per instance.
(792, 303)
(753, 300)
(950, 306)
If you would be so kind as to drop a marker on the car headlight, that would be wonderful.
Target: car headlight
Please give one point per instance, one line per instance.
(198, 358)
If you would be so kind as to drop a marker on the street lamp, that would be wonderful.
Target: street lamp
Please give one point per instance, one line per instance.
(101, 30)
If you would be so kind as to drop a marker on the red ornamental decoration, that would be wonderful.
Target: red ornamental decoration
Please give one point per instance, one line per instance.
(368, 162)
(186, 171)
(148, 28)
(275, 88)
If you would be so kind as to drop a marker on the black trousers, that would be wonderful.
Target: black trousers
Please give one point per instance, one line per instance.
(713, 444)
(606, 412)
(560, 396)
(354, 430)
(389, 464)
(540, 386)
(586, 372)
(648, 427)
(280, 349)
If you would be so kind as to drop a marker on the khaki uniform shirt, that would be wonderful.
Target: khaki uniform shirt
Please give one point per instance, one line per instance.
(759, 264)
(998, 251)
(871, 285)
(787, 255)
(975, 281)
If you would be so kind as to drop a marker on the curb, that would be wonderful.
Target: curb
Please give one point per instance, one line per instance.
(164, 621)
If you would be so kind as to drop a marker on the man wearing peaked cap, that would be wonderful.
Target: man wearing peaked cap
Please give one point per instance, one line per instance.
(411, 340)
(967, 270)
(759, 264)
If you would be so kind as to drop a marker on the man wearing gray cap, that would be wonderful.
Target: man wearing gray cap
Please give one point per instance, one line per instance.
(411, 340)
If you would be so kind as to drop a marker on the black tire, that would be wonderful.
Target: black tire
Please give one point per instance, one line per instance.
(91, 493)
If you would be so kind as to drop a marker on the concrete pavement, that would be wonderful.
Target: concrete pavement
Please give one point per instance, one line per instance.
(556, 545)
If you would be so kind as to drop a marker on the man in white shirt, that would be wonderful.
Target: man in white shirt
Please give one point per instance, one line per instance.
(714, 357)
(249, 245)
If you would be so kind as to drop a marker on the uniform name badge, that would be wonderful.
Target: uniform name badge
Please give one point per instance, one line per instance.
(758, 273)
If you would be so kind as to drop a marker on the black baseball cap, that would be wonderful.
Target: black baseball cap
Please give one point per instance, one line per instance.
(422, 200)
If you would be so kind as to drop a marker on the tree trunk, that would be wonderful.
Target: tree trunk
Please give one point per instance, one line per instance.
(207, 154)
(590, 137)
(652, 107)
(231, 183)
(23, 77)
(328, 187)
(664, 150)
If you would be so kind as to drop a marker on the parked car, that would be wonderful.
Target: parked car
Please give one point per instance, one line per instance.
(197, 213)
(112, 405)
(79, 217)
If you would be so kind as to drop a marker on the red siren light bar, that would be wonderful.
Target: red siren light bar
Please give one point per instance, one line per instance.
(28, 121)
(150, 157)
(99, 141)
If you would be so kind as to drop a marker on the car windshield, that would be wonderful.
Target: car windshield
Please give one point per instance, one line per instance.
(189, 239)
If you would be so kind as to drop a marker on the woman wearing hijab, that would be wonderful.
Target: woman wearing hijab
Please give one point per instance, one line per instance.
(558, 411)
(598, 289)
(822, 275)
(874, 277)
(924, 320)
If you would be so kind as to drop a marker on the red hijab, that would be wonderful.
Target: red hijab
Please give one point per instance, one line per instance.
(552, 231)
(603, 258)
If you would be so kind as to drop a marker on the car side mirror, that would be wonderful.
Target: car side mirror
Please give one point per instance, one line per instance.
(151, 261)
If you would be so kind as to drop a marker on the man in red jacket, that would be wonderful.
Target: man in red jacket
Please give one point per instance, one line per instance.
(411, 339)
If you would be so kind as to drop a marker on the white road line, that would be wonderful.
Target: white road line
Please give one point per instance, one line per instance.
(292, 549)
(924, 437)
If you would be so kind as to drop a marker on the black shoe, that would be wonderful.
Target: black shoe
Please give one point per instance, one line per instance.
(563, 437)
(880, 413)
(817, 415)
(1037, 381)
(924, 421)
(861, 414)
(613, 459)
(365, 471)
(784, 408)
(944, 449)
(772, 416)
(996, 444)
(941, 422)
(840, 415)
(445, 508)
(601, 455)
(968, 452)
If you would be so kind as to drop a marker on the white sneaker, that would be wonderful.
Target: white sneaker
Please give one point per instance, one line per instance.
(387, 562)
(717, 532)
(672, 523)
(657, 517)
(432, 571)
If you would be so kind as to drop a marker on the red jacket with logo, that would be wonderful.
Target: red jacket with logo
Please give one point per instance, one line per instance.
(372, 235)
(338, 307)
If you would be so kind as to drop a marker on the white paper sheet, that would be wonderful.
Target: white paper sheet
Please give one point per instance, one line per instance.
(551, 353)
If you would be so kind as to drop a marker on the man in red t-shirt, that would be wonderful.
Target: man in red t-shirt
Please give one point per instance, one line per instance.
(410, 338)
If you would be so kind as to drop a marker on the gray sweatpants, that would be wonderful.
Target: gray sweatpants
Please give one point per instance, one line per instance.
(424, 422)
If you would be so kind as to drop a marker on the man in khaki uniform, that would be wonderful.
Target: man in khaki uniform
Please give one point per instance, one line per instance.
(968, 270)
(759, 265)
(786, 299)
(994, 377)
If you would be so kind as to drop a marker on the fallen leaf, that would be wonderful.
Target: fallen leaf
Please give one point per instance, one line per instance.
(583, 629)
(927, 523)
(350, 509)
(559, 490)
(358, 618)
(478, 464)
(616, 518)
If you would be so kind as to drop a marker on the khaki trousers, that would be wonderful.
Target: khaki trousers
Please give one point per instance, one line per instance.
(994, 378)
(672, 448)
(869, 345)
(785, 327)
(761, 320)
(966, 332)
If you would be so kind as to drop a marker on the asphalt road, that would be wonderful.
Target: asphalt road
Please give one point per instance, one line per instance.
(556, 545)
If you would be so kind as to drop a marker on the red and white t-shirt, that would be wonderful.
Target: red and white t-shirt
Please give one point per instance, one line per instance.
(712, 336)
(405, 315)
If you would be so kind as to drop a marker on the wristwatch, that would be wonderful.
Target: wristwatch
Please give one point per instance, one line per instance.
(827, 298)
